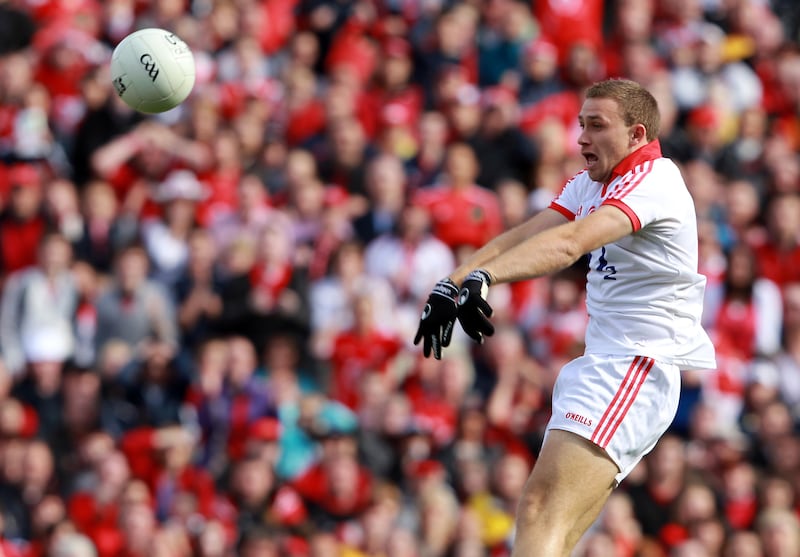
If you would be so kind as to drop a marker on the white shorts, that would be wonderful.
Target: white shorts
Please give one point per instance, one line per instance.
(623, 404)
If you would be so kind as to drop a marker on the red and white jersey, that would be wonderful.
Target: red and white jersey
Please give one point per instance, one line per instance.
(644, 293)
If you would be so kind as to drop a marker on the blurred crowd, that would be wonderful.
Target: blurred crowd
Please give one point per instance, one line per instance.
(206, 315)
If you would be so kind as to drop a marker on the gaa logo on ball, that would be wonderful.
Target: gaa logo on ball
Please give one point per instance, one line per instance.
(152, 70)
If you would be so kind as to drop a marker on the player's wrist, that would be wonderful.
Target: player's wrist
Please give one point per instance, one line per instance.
(481, 275)
(446, 287)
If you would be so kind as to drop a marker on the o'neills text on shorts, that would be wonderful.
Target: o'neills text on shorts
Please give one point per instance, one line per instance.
(583, 420)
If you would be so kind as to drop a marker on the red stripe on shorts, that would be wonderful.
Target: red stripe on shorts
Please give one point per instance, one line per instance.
(601, 425)
(622, 401)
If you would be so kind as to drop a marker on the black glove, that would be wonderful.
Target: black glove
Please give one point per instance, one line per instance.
(438, 319)
(473, 309)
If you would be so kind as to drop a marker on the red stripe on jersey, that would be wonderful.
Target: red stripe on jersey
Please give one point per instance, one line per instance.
(637, 224)
(622, 399)
(563, 210)
(634, 181)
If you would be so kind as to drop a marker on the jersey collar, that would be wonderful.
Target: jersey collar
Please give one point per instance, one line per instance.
(649, 152)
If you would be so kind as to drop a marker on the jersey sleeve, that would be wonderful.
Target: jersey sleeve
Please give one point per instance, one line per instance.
(647, 196)
(568, 201)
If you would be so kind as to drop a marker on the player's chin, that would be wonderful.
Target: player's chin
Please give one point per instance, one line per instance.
(597, 175)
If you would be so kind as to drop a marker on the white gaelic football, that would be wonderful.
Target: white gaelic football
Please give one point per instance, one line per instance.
(152, 70)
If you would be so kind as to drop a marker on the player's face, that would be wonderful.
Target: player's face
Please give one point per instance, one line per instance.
(605, 139)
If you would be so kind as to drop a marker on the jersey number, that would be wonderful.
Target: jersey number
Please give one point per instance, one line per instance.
(604, 267)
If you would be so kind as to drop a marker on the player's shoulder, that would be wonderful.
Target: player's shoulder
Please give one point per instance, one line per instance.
(660, 172)
(661, 168)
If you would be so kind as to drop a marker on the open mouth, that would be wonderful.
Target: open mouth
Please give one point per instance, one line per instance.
(591, 159)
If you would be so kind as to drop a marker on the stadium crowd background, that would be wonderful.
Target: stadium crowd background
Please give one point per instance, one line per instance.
(206, 315)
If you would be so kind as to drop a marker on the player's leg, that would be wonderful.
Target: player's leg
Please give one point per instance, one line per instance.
(608, 412)
(566, 491)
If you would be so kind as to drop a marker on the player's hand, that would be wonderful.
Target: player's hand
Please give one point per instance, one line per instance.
(473, 309)
(438, 318)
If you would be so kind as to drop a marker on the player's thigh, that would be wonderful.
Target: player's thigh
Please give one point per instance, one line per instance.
(572, 479)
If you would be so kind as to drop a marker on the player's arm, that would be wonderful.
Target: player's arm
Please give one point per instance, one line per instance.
(558, 247)
(544, 220)
(550, 250)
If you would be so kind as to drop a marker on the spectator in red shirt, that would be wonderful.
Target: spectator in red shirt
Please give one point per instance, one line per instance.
(740, 494)
(464, 215)
(337, 488)
(263, 441)
(331, 297)
(779, 256)
(98, 507)
(66, 57)
(22, 222)
(163, 459)
(304, 109)
(360, 350)
(134, 163)
(393, 80)
(565, 23)
(222, 180)
(745, 310)
(437, 390)
(770, 59)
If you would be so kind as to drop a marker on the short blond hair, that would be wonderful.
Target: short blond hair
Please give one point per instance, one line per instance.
(637, 105)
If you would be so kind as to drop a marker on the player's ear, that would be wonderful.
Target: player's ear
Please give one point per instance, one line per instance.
(638, 134)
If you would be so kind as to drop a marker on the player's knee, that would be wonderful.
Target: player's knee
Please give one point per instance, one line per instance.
(535, 508)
